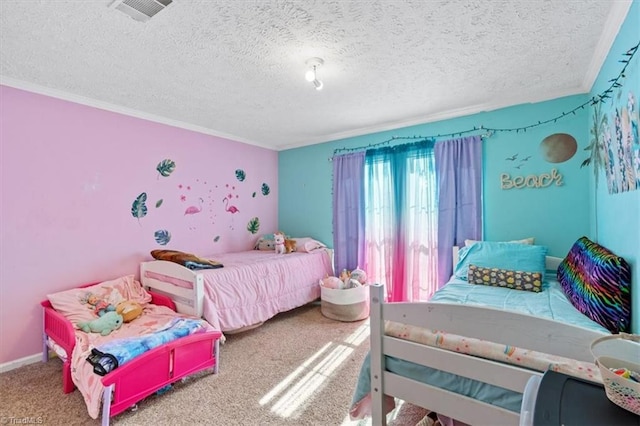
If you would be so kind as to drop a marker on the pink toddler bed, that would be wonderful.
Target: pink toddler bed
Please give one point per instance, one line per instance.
(139, 377)
(251, 287)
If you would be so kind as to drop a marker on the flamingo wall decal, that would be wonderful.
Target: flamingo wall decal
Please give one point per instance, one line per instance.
(194, 209)
(227, 207)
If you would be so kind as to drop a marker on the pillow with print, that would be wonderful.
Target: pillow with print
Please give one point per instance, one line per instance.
(266, 242)
(516, 280)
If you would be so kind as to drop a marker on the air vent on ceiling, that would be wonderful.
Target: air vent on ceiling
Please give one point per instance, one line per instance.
(140, 10)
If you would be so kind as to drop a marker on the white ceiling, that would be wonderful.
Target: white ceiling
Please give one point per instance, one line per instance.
(236, 68)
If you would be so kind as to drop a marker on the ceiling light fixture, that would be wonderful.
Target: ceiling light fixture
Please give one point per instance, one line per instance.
(312, 74)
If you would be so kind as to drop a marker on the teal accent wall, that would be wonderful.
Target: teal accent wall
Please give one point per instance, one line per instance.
(556, 215)
(616, 217)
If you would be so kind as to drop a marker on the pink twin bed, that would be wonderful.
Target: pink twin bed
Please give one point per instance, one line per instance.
(252, 287)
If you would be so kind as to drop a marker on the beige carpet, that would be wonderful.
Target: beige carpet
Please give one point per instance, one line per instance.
(299, 368)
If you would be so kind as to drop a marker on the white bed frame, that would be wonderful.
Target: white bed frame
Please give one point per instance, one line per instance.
(490, 324)
(188, 300)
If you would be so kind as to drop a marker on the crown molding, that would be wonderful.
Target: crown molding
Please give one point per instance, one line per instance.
(66, 96)
(440, 116)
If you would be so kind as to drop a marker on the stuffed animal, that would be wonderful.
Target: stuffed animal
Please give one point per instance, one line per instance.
(129, 310)
(289, 246)
(358, 275)
(332, 282)
(279, 242)
(98, 305)
(103, 325)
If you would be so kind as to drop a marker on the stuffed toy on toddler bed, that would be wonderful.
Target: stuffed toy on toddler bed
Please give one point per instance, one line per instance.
(129, 310)
(103, 325)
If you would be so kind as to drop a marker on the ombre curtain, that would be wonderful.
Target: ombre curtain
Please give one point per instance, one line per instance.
(401, 220)
(459, 177)
(348, 211)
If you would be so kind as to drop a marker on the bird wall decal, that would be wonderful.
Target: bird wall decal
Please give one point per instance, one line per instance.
(227, 207)
(512, 158)
(194, 209)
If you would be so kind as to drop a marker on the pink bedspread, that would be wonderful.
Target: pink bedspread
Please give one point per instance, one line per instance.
(88, 382)
(255, 285)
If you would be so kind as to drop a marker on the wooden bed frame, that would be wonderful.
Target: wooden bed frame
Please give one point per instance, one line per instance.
(490, 324)
(143, 375)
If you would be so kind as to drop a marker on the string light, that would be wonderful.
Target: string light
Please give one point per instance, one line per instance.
(488, 132)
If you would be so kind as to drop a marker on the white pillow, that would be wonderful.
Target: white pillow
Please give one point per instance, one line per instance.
(529, 241)
(307, 244)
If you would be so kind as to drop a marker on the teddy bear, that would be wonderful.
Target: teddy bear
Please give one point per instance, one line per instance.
(289, 246)
(278, 238)
(104, 325)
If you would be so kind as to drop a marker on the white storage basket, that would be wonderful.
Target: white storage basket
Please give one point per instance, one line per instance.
(349, 304)
(615, 352)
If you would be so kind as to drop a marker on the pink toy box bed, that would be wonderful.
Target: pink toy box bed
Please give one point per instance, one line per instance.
(251, 287)
(140, 376)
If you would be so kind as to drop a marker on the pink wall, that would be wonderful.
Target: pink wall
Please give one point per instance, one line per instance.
(70, 176)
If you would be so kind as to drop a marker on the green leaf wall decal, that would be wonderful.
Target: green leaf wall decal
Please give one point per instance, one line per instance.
(254, 225)
(162, 237)
(265, 189)
(139, 208)
(159, 203)
(240, 175)
(166, 167)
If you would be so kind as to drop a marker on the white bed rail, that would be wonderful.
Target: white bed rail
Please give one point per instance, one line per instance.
(157, 275)
(494, 325)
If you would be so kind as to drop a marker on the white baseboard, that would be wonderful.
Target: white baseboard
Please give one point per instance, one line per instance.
(12, 365)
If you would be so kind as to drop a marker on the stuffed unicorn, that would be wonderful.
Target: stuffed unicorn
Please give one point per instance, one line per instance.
(279, 242)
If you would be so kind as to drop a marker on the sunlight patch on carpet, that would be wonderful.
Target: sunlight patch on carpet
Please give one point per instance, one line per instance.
(298, 388)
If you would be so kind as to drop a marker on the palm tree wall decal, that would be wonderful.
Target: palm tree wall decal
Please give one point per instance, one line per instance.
(595, 146)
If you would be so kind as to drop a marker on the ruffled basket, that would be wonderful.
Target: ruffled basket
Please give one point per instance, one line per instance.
(614, 352)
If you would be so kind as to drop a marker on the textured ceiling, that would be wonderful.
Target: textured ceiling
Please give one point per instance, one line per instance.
(236, 68)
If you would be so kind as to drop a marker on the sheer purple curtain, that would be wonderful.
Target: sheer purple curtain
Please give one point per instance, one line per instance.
(459, 177)
(348, 211)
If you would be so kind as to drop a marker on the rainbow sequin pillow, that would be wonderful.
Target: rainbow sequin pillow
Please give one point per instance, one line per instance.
(517, 280)
(598, 284)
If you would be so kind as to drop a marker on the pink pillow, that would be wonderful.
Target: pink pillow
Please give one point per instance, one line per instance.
(86, 304)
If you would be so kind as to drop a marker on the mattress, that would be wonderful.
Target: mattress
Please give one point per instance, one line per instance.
(550, 303)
